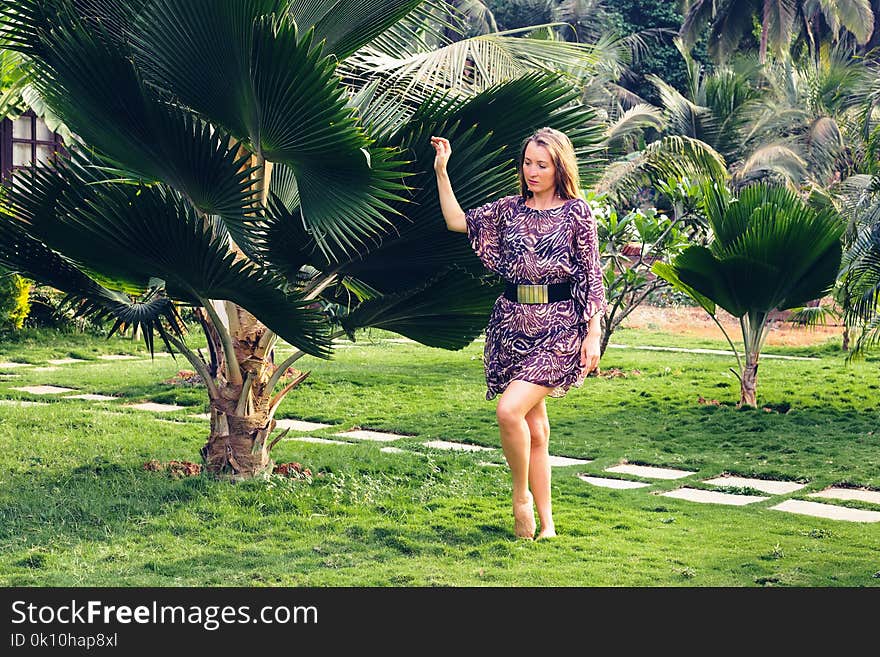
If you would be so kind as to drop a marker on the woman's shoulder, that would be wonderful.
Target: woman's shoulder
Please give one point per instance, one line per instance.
(578, 207)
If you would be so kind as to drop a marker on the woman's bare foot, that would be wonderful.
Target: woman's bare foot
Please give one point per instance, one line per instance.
(547, 532)
(524, 525)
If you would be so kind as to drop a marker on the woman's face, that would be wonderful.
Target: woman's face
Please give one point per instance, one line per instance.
(538, 169)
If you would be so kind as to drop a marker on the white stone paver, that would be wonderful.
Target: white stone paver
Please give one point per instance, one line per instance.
(65, 361)
(118, 357)
(154, 407)
(649, 471)
(489, 464)
(563, 461)
(388, 449)
(21, 402)
(201, 416)
(363, 434)
(717, 352)
(400, 340)
(44, 390)
(457, 447)
(299, 425)
(830, 511)
(7, 366)
(837, 493)
(90, 397)
(608, 482)
(313, 439)
(772, 486)
(712, 496)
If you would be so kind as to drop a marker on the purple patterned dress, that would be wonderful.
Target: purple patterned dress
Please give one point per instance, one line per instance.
(538, 343)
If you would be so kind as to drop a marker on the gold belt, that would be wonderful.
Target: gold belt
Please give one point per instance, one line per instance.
(532, 294)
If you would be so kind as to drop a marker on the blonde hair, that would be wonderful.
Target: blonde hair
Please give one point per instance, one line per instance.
(568, 182)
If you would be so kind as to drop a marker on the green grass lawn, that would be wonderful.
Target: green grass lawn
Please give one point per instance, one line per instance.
(78, 509)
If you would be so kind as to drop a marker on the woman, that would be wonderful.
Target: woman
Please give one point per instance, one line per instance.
(543, 333)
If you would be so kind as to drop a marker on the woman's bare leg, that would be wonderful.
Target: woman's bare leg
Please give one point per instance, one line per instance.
(518, 399)
(539, 466)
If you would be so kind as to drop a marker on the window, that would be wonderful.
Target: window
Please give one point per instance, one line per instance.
(26, 141)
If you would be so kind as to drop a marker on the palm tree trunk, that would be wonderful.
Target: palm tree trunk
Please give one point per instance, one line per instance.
(765, 27)
(240, 420)
(749, 384)
(754, 330)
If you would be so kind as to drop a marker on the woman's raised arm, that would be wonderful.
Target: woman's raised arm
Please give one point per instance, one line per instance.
(452, 212)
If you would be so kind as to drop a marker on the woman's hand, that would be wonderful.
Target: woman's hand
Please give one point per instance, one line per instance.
(590, 351)
(443, 150)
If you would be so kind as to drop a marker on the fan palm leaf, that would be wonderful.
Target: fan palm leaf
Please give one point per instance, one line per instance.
(483, 169)
(771, 251)
(448, 311)
(251, 72)
(128, 235)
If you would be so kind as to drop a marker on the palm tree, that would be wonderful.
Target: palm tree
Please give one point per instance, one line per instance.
(771, 251)
(802, 125)
(781, 20)
(221, 164)
(859, 198)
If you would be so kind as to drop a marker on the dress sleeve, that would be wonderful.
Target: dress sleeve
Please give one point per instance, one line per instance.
(484, 232)
(587, 287)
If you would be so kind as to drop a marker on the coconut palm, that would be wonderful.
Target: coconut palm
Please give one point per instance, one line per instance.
(771, 251)
(859, 198)
(801, 126)
(221, 163)
(781, 21)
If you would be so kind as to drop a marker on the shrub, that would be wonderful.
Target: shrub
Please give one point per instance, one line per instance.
(14, 300)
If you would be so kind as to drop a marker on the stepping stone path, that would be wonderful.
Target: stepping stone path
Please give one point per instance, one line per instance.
(363, 434)
(312, 439)
(649, 472)
(827, 511)
(765, 485)
(837, 493)
(90, 397)
(156, 408)
(44, 390)
(608, 482)
(299, 425)
(564, 461)
(772, 487)
(457, 447)
(712, 496)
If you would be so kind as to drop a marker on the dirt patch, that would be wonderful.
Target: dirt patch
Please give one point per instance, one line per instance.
(697, 323)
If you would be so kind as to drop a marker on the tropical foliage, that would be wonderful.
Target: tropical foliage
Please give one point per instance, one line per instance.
(221, 162)
(771, 251)
(781, 22)
(631, 244)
